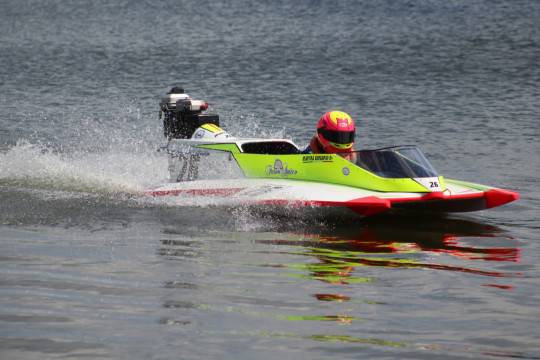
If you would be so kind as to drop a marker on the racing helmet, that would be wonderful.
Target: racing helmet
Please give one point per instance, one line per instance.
(335, 132)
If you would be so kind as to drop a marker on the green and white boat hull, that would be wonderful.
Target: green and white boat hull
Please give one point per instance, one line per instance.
(273, 173)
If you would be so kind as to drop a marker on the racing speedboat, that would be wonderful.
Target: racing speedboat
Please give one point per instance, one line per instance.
(205, 161)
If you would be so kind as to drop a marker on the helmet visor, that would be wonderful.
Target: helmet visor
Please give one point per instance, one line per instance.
(338, 137)
(342, 147)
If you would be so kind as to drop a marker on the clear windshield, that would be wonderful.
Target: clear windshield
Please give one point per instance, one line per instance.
(395, 162)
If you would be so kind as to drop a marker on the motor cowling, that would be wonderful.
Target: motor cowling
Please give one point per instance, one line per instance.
(183, 115)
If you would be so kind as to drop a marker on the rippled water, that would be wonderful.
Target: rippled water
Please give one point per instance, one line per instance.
(91, 270)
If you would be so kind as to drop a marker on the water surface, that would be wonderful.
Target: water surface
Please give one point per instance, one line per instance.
(90, 270)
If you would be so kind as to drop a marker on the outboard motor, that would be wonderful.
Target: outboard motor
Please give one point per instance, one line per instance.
(182, 115)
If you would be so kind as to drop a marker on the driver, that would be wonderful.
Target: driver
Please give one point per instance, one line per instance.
(335, 134)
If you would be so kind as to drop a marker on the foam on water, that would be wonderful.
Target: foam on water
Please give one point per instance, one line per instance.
(38, 166)
(114, 171)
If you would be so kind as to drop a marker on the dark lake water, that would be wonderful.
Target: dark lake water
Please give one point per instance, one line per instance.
(88, 270)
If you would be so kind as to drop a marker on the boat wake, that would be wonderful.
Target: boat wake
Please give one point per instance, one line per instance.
(51, 174)
(37, 166)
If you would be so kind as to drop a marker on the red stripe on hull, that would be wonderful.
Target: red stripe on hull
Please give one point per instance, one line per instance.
(366, 206)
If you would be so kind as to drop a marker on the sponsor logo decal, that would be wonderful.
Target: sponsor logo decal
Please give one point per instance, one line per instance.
(279, 169)
(346, 171)
(317, 158)
(199, 134)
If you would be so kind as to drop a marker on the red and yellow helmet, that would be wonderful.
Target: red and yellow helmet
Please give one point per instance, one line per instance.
(335, 132)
